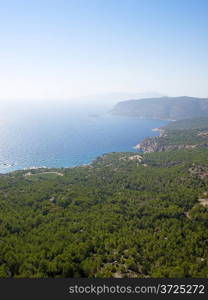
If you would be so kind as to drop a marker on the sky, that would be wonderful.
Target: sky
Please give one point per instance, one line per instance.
(56, 49)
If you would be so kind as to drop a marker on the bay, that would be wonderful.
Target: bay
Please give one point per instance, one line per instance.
(63, 135)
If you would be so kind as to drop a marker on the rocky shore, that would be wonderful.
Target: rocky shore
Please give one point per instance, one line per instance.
(153, 145)
(170, 141)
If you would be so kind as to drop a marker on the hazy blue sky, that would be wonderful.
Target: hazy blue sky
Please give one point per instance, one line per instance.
(61, 49)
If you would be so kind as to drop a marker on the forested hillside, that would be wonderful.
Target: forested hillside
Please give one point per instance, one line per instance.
(126, 215)
(196, 123)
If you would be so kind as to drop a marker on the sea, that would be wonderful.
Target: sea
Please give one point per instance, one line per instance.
(65, 134)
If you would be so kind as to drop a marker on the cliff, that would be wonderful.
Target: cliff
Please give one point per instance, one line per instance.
(175, 137)
(154, 145)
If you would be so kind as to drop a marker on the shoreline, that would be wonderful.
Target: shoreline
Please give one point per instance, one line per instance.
(136, 147)
(161, 133)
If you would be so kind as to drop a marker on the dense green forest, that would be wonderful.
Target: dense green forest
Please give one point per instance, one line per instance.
(125, 215)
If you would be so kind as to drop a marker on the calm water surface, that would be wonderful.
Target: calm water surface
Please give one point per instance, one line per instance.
(64, 135)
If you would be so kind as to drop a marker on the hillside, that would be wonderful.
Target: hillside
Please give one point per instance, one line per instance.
(165, 108)
(183, 134)
(196, 123)
(125, 215)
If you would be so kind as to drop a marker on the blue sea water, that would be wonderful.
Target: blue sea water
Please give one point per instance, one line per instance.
(65, 136)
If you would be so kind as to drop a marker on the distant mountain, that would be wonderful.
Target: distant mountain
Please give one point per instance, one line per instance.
(165, 108)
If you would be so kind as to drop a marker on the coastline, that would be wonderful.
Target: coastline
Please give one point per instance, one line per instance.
(14, 166)
(161, 131)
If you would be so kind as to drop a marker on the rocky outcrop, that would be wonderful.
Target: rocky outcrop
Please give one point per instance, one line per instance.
(155, 145)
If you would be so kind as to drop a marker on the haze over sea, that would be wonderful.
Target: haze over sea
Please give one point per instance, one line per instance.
(64, 135)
